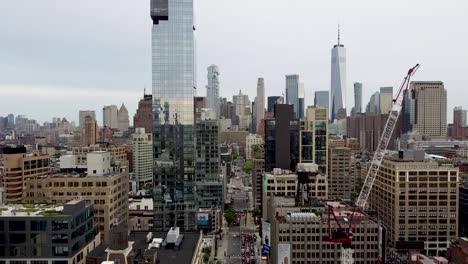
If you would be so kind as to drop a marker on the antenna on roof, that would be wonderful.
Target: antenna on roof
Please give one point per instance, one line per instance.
(338, 34)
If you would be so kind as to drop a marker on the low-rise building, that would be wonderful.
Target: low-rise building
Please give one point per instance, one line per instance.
(62, 234)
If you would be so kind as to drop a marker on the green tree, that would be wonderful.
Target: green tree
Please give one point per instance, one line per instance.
(230, 216)
(248, 166)
(256, 212)
(258, 155)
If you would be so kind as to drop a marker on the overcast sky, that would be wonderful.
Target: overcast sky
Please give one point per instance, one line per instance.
(57, 57)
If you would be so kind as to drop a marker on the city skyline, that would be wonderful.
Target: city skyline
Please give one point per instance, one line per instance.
(92, 68)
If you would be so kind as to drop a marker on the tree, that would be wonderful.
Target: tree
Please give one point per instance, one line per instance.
(256, 212)
(258, 155)
(230, 216)
(248, 166)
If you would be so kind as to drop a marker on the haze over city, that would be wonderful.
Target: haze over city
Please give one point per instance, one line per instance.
(58, 58)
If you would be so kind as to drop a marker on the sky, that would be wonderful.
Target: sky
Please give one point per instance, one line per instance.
(58, 57)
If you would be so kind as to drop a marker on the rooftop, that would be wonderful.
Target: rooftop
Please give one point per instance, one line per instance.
(22, 210)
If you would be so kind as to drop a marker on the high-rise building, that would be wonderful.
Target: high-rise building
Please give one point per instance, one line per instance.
(459, 123)
(282, 139)
(386, 99)
(142, 157)
(431, 108)
(20, 166)
(463, 210)
(173, 74)
(417, 200)
(226, 109)
(242, 108)
(123, 119)
(313, 139)
(200, 106)
(301, 101)
(212, 90)
(90, 131)
(339, 177)
(110, 116)
(357, 97)
(373, 106)
(144, 114)
(322, 99)
(259, 103)
(209, 187)
(48, 233)
(83, 114)
(292, 92)
(272, 100)
(338, 79)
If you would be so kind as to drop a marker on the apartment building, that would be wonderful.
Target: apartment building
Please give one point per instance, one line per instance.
(20, 166)
(417, 199)
(250, 141)
(105, 185)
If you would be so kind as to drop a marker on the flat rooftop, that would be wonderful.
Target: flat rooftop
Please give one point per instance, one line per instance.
(29, 210)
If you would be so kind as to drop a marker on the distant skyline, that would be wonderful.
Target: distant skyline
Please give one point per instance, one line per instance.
(59, 58)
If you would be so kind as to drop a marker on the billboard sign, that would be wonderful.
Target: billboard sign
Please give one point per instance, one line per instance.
(284, 253)
(202, 219)
(266, 237)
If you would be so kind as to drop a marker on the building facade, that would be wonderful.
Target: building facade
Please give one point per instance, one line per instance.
(340, 184)
(313, 139)
(89, 132)
(144, 114)
(322, 99)
(292, 92)
(123, 119)
(357, 97)
(83, 114)
(110, 116)
(142, 158)
(272, 100)
(173, 74)
(250, 141)
(431, 108)
(417, 200)
(48, 234)
(19, 167)
(212, 90)
(386, 99)
(259, 103)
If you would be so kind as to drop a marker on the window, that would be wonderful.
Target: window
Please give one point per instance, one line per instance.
(38, 225)
(17, 225)
(60, 251)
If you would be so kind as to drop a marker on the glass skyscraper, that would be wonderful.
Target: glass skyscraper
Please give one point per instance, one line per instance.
(338, 79)
(173, 65)
(292, 92)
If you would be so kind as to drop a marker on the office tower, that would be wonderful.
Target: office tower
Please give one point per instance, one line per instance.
(48, 234)
(417, 200)
(272, 100)
(292, 93)
(83, 114)
(373, 106)
(386, 99)
(258, 168)
(459, 123)
(209, 187)
(242, 110)
(339, 177)
(174, 87)
(338, 79)
(123, 119)
(313, 139)
(110, 116)
(301, 100)
(250, 141)
(282, 139)
(259, 103)
(226, 109)
(19, 167)
(89, 132)
(430, 108)
(357, 98)
(297, 234)
(212, 90)
(144, 114)
(11, 121)
(367, 129)
(142, 158)
(322, 99)
(103, 183)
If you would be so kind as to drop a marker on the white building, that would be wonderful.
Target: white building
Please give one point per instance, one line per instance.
(386, 99)
(259, 103)
(338, 79)
(123, 119)
(109, 116)
(251, 140)
(212, 90)
(142, 157)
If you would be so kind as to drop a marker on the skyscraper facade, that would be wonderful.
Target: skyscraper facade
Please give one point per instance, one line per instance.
(292, 92)
(357, 98)
(338, 79)
(272, 100)
(142, 143)
(430, 108)
(123, 119)
(173, 64)
(313, 138)
(144, 114)
(110, 116)
(212, 90)
(83, 114)
(301, 106)
(386, 99)
(259, 103)
(322, 99)
(373, 107)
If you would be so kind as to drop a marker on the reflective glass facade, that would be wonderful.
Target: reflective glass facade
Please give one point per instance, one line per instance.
(173, 70)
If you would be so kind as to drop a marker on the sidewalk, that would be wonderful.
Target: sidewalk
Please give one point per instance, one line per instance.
(223, 242)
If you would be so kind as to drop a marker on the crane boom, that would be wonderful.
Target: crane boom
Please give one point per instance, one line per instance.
(379, 154)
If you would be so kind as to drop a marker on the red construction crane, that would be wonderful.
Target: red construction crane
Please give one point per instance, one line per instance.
(339, 235)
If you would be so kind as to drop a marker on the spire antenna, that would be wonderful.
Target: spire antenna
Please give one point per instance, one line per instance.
(338, 34)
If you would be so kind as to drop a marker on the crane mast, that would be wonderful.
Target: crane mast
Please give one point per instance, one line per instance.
(379, 153)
